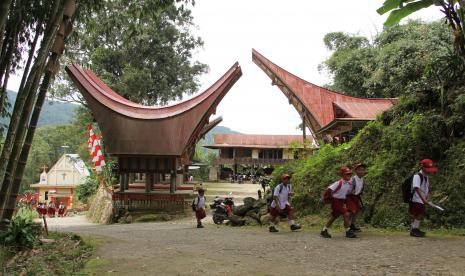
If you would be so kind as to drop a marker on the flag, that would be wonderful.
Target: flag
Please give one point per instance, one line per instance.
(95, 148)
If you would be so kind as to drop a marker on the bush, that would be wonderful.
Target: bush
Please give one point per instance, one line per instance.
(86, 190)
(21, 233)
(392, 152)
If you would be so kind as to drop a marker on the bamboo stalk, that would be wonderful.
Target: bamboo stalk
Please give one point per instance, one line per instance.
(4, 10)
(18, 175)
(30, 87)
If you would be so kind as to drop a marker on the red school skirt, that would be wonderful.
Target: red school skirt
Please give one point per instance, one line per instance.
(417, 209)
(338, 207)
(200, 213)
(353, 203)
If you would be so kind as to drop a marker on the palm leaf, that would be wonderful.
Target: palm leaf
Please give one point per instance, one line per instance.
(405, 11)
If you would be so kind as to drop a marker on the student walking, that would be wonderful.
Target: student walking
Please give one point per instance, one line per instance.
(420, 189)
(336, 196)
(280, 204)
(354, 198)
(198, 205)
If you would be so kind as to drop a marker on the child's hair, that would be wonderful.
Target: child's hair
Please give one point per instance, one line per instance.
(201, 191)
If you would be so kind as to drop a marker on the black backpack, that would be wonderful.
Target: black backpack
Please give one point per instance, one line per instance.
(407, 191)
(194, 206)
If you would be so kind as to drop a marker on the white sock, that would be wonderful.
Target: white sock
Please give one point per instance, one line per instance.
(271, 224)
(291, 222)
(325, 228)
(415, 224)
(348, 229)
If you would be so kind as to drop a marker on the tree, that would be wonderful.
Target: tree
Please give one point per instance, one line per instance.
(144, 52)
(453, 11)
(401, 60)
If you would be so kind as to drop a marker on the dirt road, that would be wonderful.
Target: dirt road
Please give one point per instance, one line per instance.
(177, 248)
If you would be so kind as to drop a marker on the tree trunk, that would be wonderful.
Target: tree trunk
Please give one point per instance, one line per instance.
(29, 88)
(4, 10)
(18, 176)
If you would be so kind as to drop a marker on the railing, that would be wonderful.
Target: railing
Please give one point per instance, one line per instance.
(250, 161)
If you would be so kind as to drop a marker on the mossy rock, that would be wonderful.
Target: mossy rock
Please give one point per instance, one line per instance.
(235, 220)
(263, 211)
(253, 214)
(153, 217)
(249, 202)
(241, 210)
(250, 221)
(259, 203)
(265, 219)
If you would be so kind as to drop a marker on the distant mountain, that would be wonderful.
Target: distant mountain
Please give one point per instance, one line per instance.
(53, 112)
(217, 130)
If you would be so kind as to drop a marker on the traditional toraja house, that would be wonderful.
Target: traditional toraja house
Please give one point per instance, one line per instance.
(328, 114)
(256, 150)
(60, 182)
(157, 142)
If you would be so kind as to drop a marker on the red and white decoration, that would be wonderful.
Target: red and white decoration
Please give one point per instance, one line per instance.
(95, 147)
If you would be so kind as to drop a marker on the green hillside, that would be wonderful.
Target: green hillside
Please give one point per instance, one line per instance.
(53, 112)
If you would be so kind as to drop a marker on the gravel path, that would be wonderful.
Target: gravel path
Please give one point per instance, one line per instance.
(177, 248)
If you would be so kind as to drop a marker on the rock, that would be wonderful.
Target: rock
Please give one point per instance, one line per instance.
(265, 219)
(236, 220)
(241, 210)
(263, 211)
(249, 202)
(259, 203)
(250, 221)
(253, 214)
(47, 241)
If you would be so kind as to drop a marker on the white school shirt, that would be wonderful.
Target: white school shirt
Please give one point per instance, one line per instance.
(283, 197)
(423, 186)
(357, 184)
(343, 191)
(200, 202)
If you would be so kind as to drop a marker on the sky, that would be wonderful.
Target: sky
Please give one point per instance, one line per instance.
(289, 33)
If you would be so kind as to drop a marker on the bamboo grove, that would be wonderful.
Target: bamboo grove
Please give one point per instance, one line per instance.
(33, 35)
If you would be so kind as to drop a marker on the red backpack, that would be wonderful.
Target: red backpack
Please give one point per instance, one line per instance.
(327, 194)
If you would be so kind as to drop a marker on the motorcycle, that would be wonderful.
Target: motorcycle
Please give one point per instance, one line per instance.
(222, 209)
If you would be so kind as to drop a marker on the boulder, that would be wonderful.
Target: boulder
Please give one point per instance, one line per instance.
(250, 221)
(249, 202)
(241, 210)
(263, 210)
(253, 214)
(259, 203)
(235, 220)
(265, 219)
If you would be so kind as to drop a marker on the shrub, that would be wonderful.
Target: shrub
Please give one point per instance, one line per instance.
(21, 233)
(86, 190)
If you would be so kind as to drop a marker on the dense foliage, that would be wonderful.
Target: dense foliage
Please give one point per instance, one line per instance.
(142, 49)
(427, 122)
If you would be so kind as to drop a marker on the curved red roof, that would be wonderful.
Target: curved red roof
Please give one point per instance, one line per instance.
(132, 129)
(319, 103)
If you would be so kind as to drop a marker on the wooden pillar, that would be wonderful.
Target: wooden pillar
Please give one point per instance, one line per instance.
(148, 182)
(121, 182)
(157, 178)
(173, 175)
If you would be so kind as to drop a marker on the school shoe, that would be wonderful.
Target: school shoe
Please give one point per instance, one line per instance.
(295, 227)
(273, 229)
(415, 232)
(355, 228)
(199, 226)
(325, 234)
(350, 234)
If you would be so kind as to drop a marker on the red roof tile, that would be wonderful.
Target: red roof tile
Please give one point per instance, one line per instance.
(317, 101)
(132, 129)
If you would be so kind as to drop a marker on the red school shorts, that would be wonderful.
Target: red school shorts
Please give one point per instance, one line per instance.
(337, 207)
(200, 213)
(274, 212)
(417, 209)
(353, 203)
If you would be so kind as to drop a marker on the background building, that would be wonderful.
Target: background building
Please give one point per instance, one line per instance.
(59, 183)
(255, 151)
